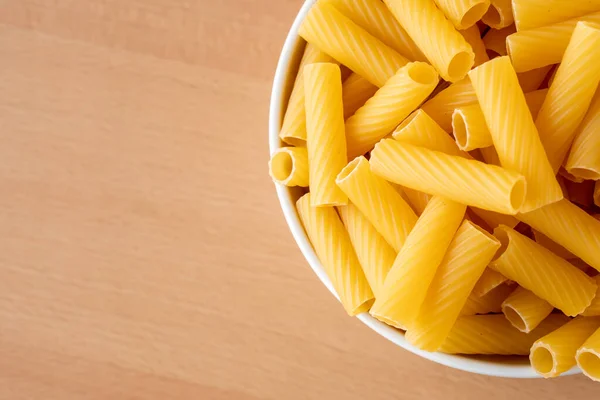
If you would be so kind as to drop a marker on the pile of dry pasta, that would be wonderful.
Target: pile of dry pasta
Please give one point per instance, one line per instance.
(451, 151)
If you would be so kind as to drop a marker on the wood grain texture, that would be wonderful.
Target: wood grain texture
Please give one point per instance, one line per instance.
(143, 252)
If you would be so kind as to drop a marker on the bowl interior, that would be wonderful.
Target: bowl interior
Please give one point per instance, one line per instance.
(287, 68)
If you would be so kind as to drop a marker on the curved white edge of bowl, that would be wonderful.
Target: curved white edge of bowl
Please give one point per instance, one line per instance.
(276, 111)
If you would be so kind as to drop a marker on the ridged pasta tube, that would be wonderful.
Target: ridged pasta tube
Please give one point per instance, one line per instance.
(325, 135)
(393, 102)
(375, 18)
(293, 128)
(413, 270)
(437, 38)
(539, 270)
(466, 181)
(289, 166)
(554, 353)
(493, 334)
(525, 310)
(442, 105)
(378, 201)
(588, 357)
(570, 94)
(376, 256)
(535, 13)
(469, 252)
(334, 33)
(583, 160)
(569, 226)
(495, 41)
(470, 128)
(490, 302)
(356, 90)
(488, 281)
(332, 245)
(513, 131)
(546, 45)
(551, 245)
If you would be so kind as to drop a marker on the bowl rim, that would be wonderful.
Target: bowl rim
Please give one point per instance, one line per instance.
(276, 112)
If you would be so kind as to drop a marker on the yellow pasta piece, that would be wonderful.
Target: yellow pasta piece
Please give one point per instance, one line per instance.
(442, 105)
(470, 129)
(513, 130)
(499, 15)
(535, 13)
(488, 281)
(588, 357)
(393, 102)
(420, 129)
(325, 140)
(437, 38)
(539, 270)
(375, 255)
(554, 353)
(348, 43)
(493, 334)
(356, 90)
(597, 193)
(525, 310)
(417, 200)
(293, 129)
(491, 302)
(469, 126)
(535, 100)
(570, 94)
(583, 160)
(569, 226)
(463, 13)
(473, 37)
(406, 285)
(495, 41)
(493, 219)
(469, 182)
(289, 166)
(490, 155)
(375, 18)
(551, 245)
(332, 245)
(594, 308)
(383, 206)
(469, 252)
(532, 80)
(546, 45)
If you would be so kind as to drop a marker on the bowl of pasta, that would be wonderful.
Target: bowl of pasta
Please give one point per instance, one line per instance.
(443, 187)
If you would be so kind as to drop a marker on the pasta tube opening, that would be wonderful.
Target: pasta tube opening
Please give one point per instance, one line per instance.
(470, 129)
(492, 16)
(282, 166)
(542, 360)
(460, 64)
(585, 173)
(474, 14)
(589, 362)
(289, 166)
(422, 73)
(347, 170)
(514, 318)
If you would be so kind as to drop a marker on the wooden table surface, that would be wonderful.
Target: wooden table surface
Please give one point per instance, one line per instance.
(143, 251)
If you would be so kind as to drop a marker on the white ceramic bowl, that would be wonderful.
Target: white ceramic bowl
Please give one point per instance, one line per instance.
(287, 67)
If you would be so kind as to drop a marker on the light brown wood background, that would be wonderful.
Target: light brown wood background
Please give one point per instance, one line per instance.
(143, 254)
